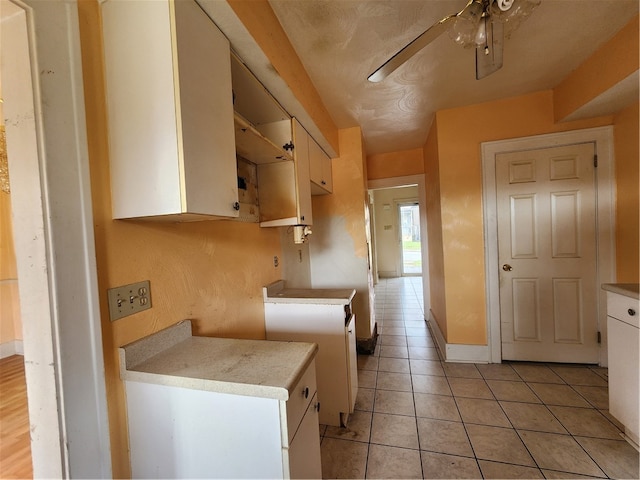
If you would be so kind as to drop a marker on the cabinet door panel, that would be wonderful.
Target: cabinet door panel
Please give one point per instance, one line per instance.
(183, 433)
(143, 143)
(623, 374)
(170, 111)
(206, 110)
(277, 191)
(304, 451)
(299, 399)
(301, 141)
(353, 362)
(320, 170)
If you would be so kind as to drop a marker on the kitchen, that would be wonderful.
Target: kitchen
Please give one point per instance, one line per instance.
(179, 259)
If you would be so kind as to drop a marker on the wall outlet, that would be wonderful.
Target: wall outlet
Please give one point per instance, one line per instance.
(129, 299)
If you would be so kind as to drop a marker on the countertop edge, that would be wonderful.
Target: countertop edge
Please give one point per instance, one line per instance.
(277, 293)
(216, 386)
(631, 290)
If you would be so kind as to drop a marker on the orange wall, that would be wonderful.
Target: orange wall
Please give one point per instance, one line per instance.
(612, 62)
(10, 322)
(339, 240)
(211, 272)
(627, 153)
(395, 164)
(434, 229)
(460, 180)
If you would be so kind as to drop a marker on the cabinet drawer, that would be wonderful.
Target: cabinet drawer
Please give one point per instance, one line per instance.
(625, 309)
(299, 399)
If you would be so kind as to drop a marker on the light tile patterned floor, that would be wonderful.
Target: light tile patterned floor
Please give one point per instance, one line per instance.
(418, 417)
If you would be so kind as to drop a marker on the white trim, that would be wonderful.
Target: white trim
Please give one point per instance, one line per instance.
(404, 181)
(454, 352)
(10, 348)
(54, 242)
(602, 137)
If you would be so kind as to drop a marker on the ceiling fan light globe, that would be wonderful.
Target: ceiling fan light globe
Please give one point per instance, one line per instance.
(480, 37)
(464, 30)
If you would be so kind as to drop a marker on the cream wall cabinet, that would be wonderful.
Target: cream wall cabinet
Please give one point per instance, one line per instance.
(254, 106)
(284, 191)
(623, 341)
(320, 170)
(201, 407)
(170, 111)
(284, 188)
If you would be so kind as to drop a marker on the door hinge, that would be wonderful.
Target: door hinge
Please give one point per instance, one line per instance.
(288, 146)
(595, 161)
(599, 337)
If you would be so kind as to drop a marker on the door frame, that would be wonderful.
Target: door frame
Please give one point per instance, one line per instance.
(405, 181)
(399, 203)
(55, 246)
(602, 137)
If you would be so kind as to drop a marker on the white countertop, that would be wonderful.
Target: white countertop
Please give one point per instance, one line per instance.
(277, 293)
(628, 289)
(174, 357)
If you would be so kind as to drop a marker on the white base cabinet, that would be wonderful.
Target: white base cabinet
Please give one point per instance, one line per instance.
(623, 338)
(187, 421)
(332, 327)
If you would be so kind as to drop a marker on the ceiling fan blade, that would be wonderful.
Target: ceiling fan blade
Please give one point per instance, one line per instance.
(421, 41)
(489, 55)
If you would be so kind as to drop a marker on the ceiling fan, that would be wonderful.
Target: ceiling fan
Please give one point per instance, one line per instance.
(482, 24)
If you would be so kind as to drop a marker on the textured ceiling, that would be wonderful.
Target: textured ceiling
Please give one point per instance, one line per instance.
(340, 42)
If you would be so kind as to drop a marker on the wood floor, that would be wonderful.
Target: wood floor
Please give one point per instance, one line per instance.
(15, 446)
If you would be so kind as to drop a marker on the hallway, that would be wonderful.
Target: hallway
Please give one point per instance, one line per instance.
(418, 417)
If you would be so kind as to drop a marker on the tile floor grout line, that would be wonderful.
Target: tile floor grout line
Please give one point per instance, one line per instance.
(396, 311)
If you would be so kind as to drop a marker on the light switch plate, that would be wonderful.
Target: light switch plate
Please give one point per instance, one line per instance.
(129, 299)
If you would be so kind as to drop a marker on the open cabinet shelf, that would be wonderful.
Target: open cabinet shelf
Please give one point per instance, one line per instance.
(254, 146)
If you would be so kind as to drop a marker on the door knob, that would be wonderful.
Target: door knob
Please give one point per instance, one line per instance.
(506, 267)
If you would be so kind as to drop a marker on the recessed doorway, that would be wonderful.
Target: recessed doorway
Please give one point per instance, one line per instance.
(409, 217)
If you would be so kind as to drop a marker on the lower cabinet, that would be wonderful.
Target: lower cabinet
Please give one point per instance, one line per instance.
(334, 332)
(623, 334)
(196, 428)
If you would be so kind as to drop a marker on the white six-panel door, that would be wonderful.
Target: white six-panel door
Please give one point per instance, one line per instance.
(546, 206)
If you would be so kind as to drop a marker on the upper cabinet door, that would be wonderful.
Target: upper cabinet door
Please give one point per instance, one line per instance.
(170, 111)
(284, 187)
(320, 170)
(301, 141)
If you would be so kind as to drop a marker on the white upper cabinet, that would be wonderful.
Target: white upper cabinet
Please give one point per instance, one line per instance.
(284, 189)
(320, 170)
(170, 112)
(278, 145)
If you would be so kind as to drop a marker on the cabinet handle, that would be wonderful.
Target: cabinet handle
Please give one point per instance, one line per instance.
(305, 392)
(631, 312)
(236, 206)
(323, 182)
(317, 407)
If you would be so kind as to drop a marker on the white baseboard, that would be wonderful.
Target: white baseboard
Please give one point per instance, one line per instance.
(14, 347)
(387, 274)
(454, 352)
